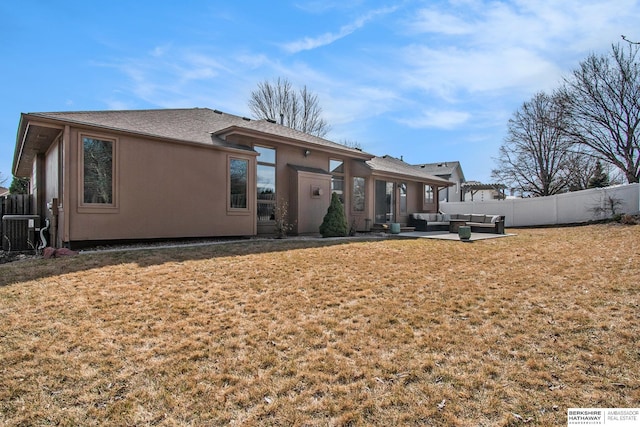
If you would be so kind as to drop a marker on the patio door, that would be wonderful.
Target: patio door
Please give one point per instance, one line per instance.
(266, 182)
(385, 203)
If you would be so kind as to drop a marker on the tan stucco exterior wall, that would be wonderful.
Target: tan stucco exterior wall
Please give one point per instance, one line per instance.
(162, 190)
(294, 187)
(310, 198)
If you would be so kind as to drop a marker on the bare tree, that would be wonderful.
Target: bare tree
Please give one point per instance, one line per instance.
(536, 151)
(3, 179)
(279, 102)
(579, 168)
(602, 97)
(351, 144)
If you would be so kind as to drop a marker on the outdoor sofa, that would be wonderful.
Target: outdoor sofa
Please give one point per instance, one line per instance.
(479, 223)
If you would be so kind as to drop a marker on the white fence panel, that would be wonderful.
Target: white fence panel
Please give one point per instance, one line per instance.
(567, 208)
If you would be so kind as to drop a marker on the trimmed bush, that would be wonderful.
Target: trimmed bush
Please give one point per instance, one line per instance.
(334, 223)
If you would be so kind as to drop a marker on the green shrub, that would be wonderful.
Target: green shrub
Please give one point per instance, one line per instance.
(334, 223)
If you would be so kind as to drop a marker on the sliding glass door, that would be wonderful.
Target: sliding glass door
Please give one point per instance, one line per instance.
(385, 202)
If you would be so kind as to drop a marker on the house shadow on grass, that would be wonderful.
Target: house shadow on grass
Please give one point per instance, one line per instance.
(34, 268)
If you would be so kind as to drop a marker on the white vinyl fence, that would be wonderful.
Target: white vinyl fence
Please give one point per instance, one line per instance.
(567, 208)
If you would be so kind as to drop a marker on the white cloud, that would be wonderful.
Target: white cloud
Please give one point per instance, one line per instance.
(435, 21)
(348, 103)
(449, 72)
(164, 77)
(543, 24)
(439, 119)
(309, 43)
(114, 104)
(474, 46)
(159, 51)
(198, 67)
(322, 6)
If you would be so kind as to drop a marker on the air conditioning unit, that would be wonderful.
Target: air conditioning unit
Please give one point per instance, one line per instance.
(20, 232)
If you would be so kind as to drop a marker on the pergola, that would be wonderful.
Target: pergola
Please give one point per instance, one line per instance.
(473, 187)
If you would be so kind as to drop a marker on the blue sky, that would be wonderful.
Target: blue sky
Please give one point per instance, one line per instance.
(430, 81)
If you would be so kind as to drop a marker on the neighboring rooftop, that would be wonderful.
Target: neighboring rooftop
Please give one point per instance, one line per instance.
(443, 169)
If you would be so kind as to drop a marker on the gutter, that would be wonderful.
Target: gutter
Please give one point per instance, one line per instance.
(17, 154)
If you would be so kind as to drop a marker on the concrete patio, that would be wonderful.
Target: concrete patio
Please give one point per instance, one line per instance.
(445, 235)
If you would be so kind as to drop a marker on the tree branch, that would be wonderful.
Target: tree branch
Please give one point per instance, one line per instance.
(628, 41)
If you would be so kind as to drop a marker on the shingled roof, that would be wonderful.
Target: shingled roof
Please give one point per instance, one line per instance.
(199, 125)
(443, 169)
(389, 164)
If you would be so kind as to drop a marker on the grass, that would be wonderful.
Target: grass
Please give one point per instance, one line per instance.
(389, 332)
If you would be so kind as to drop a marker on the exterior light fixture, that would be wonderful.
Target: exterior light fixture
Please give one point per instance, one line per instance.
(306, 153)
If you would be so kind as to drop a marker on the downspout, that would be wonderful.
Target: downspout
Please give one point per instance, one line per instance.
(43, 240)
(53, 235)
(66, 185)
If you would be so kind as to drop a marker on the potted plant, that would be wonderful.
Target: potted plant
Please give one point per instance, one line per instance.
(464, 232)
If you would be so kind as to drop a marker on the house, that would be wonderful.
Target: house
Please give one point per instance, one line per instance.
(452, 172)
(191, 173)
(4, 191)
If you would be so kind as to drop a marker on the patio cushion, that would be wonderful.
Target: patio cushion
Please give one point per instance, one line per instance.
(495, 218)
(477, 218)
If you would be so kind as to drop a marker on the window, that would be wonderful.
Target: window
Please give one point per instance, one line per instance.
(238, 177)
(266, 183)
(358, 194)
(428, 194)
(336, 167)
(97, 171)
(403, 198)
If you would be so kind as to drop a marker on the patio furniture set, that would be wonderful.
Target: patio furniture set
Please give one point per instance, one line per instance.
(479, 223)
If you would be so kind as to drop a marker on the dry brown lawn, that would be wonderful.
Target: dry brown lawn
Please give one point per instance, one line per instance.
(383, 332)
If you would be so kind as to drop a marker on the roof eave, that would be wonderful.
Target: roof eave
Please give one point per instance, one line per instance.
(25, 144)
(27, 118)
(431, 180)
(239, 130)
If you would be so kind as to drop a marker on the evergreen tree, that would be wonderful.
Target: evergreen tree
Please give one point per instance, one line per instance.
(599, 178)
(19, 186)
(334, 223)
